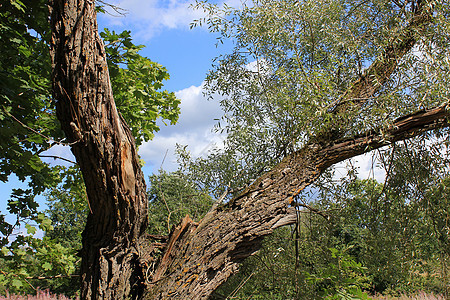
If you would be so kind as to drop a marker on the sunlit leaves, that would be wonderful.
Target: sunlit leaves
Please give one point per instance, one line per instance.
(28, 127)
(21, 266)
(30, 229)
(136, 82)
(68, 209)
(25, 105)
(293, 61)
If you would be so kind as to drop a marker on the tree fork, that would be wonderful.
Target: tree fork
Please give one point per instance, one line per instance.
(198, 257)
(232, 232)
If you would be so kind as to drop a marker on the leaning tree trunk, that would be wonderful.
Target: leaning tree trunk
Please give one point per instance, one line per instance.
(200, 257)
(105, 151)
(117, 262)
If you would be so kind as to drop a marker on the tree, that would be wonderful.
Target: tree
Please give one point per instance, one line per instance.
(171, 197)
(342, 110)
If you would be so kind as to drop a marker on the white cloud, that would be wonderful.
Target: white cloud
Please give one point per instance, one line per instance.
(194, 128)
(149, 17)
(366, 165)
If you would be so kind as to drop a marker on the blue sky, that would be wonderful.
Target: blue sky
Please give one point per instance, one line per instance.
(164, 28)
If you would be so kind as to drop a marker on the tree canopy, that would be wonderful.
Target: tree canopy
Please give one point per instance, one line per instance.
(294, 73)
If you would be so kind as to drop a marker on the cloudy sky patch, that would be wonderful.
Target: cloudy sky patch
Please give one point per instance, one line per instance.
(194, 128)
(152, 16)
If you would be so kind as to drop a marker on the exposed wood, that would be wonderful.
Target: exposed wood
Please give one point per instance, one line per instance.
(230, 233)
(227, 235)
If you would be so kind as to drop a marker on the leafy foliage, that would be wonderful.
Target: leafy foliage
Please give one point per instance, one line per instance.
(68, 209)
(365, 246)
(135, 81)
(171, 197)
(292, 63)
(25, 106)
(28, 263)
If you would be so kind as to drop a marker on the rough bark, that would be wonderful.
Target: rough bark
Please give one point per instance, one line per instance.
(203, 258)
(105, 151)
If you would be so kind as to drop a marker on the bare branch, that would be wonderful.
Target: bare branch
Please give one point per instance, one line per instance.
(120, 11)
(58, 157)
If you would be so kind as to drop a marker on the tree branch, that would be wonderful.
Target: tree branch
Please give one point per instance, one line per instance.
(382, 68)
(403, 128)
(234, 231)
(57, 157)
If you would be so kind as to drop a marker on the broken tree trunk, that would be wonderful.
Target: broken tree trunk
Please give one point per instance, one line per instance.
(203, 258)
(197, 258)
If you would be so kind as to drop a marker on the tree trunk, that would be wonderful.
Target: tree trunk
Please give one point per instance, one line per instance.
(205, 255)
(118, 261)
(105, 151)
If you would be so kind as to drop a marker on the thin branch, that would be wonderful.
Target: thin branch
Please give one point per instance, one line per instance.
(241, 285)
(53, 277)
(382, 68)
(164, 159)
(58, 157)
(291, 216)
(24, 278)
(49, 139)
(121, 11)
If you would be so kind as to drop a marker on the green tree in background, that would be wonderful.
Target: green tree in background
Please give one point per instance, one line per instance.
(172, 197)
(372, 240)
(308, 84)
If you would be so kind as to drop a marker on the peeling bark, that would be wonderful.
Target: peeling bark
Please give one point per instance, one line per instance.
(206, 257)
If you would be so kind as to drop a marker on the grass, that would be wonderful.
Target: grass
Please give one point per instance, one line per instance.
(46, 295)
(40, 295)
(417, 296)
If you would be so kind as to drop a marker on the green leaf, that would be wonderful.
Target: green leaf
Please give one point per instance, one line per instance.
(5, 251)
(47, 266)
(18, 4)
(30, 229)
(46, 224)
(16, 283)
